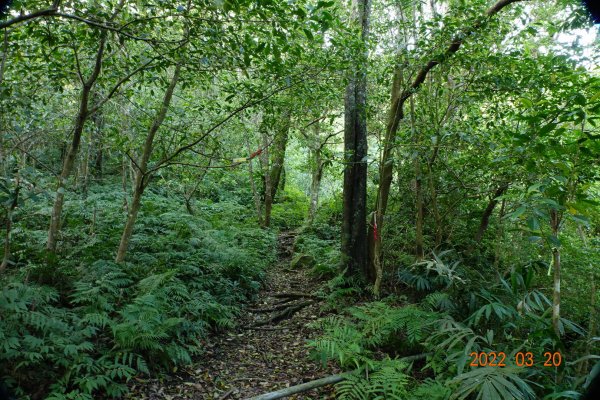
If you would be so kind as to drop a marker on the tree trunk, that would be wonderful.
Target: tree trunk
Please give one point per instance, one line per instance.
(278, 153)
(487, 213)
(71, 155)
(255, 193)
(396, 114)
(85, 169)
(141, 177)
(434, 206)
(96, 151)
(419, 204)
(8, 230)
(354, 249)
(315, 185)
(267, 176)
(499, 239)
(555, 218)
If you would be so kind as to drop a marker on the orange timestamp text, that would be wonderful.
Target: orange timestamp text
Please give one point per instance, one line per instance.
(521, 358)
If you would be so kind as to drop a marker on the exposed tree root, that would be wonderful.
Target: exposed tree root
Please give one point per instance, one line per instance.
(286, 313)
(297, 295)
(277, 307)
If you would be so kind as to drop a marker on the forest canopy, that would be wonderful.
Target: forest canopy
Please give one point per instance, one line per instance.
(400, 197)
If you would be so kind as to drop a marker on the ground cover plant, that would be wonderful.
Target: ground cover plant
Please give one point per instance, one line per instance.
(260, 199)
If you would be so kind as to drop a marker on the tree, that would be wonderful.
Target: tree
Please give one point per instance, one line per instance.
(354, 250)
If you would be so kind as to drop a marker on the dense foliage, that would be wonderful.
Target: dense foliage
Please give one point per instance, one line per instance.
(438, 163)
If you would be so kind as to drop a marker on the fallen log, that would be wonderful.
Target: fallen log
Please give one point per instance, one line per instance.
(330, 380)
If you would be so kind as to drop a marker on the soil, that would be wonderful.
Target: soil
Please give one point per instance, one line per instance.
(258, 356)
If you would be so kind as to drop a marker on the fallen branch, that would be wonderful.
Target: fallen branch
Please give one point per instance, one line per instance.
(330, 380)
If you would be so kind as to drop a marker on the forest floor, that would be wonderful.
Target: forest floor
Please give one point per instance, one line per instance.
(266, 352)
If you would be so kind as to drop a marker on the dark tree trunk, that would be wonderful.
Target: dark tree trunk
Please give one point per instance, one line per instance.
(487, 213)
(354, 226)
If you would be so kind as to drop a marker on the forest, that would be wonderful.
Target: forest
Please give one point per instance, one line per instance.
(303, 199)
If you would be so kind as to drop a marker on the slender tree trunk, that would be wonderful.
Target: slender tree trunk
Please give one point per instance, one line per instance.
(267, 176)
(141, 177)
(96, 151)
(8, 230)
(419, 204)
(499, 239)
(315, 185)
(434, 206)
(555, 224)
(396, 114)
(487, 213)
(4, 54)
(85, 171)
(188, 196)
(593, 312)
(354, 226)
(255, 193)
(278, 153)
(124, 164)
(71, 155)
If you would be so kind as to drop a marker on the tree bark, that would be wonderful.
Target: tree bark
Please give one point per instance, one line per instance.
(278, 152)
(255, 192)
(487, 213)
(354, 225)
(268, 184)
(396, 115)
(555, 218)
(71, 155)
(419, 204)
(8, 229)
(315, 187)
(96, 150)
(141, 176)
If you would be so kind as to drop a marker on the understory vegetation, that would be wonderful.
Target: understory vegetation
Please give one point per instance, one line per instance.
(428, 170)
(86, 324)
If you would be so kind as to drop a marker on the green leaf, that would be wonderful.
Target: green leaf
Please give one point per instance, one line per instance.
(308, 34)
(553, 240)
(547, 128)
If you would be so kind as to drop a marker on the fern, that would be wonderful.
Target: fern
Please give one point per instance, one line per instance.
(492, 383)
(387, 381)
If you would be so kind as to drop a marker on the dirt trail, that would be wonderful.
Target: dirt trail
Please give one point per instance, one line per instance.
(259, 356)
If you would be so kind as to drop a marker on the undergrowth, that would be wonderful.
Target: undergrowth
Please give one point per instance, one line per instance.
(79, 326)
